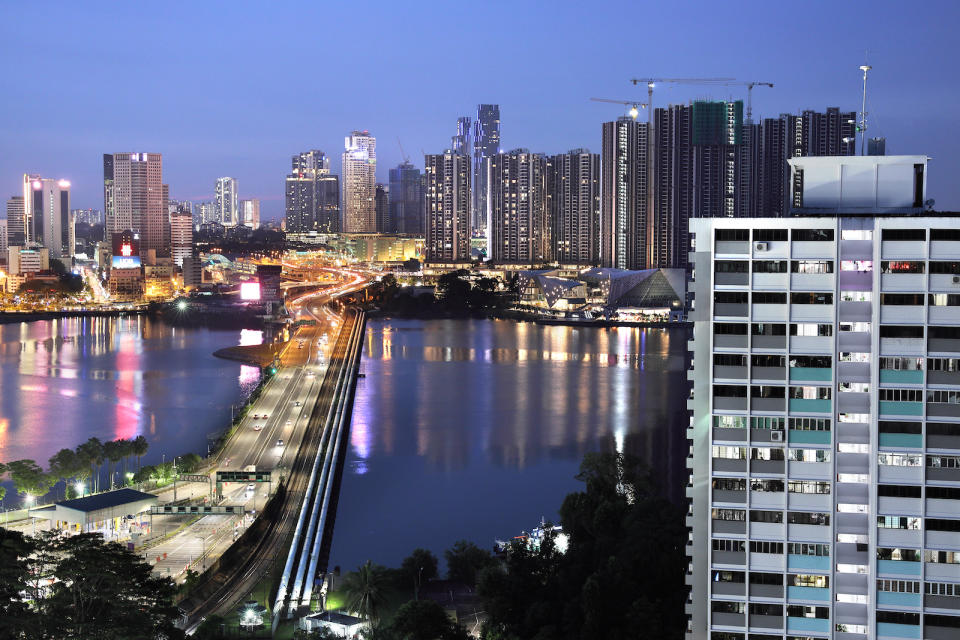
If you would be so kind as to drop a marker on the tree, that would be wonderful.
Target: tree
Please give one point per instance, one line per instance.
(465, 560)
(64, 466)
(366, 591)
(140, 446)
(17, 620)
(419, 567)
(91, 452)
(321, 633)
(113, 452)
(29, 479)
(454, 289)
(423, 620)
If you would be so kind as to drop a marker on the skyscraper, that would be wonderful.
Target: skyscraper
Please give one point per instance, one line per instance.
(405, 200)
(250, 213)
(47, 217)
(359, 183)
(447, 198)
(181, 235)
(573, 195)
(384, 224)
(312, 195)
(519, 231)
(461, 141)
(16, 226)
(227, 202)
(133, 199)
(623, 214)
(486, 145)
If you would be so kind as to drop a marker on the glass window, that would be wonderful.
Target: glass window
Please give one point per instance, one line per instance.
(811, 266)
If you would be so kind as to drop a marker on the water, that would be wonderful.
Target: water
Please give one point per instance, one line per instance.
(475, 429)
(64, 381)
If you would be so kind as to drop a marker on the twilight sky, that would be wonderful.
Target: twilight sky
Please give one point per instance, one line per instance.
(236, 88)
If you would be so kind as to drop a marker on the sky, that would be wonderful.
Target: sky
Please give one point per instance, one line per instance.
(236, 88)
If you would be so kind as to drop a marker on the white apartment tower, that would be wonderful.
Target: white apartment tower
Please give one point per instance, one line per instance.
(181, 236)
(250, 213)
(47, 218)
(227, 203)
(825, 428)
(134, 199)
(359, 183)
(447, 202)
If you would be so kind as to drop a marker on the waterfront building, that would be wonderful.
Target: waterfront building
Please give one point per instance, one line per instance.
(447, 201)
(519, 231)
(405, 200)
(181, 236)
(623, 214)
(24, 263)
(133, 199)
(48, 220)
(312, 195)
(16, 228)
(227, 202)
(359, 183)
(250, 213)
(382, 211)
(192, 272)
(825, 429)
(573, 207)
(486, 145)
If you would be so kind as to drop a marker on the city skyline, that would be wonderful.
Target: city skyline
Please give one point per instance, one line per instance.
(542, 110)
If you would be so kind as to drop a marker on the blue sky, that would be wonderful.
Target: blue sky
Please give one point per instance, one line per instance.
(236, 88)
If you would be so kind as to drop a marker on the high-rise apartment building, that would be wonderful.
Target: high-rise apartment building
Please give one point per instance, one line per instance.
(133, 199)
(250, 213)
(447, 198)
(48, 220)
(382, 211)
(87, 216)
(181, 236)
(825, 428)
(16, 226)
(573, 206)
(359, 183)
(206, 212)
(519, 231)
(312, 195)
(460, 142)
(227, 202)
(623, 214)
(486, 145)
(405, 200)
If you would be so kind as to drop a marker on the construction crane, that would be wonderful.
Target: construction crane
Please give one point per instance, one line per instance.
(749, 85)
(403, 153)
(652, 82)
(633, 104)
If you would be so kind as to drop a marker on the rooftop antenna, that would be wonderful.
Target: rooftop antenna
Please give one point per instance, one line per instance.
(862, 125)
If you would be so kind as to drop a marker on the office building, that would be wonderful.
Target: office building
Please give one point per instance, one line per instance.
(405, 200)
(359, 183)
(48, 220)
(250, 213)
(519, 231)
(877, 147)
(87, 216)
(447, 200)
(625, 182)
(16, 227)
(460, 142)
(181, 236)
(227, 202)
(486, 145)
(312, 195)
(825, 427)
(573, 207)
(382, 211)
(133, 199)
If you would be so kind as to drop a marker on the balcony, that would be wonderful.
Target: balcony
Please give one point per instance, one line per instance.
(727, 619)
(768, 499)
(731, 279)
(895, 376)
(856, 249)
(767, 404)
(943, 377)
(767, 466)
(731, 248)
(939, 473)
(898, 568)
(931, 632)
(728, 589)
(798, 437)
(729, 435)
(944, 345)
(894, 474)
(809, 532)
(944, 315)
(944, 282)
(811, 313)
(853, 311)
(895, 599)
(941, 571)
(723, 495)
(901, 440)
(809, 502)
(899, 538)
(762, 436)
(942, 410)
(804, 405)
(771, 281)
(727, 341)
(729, 373)
(729, 557)
(766, 530)
(943, 442)
(729, 526)
(730, 309)
(729, 465)
(893, 630)
(769, 313)
(899, 506)
(813, 249)
(853, 402)
(812, 281)
(903, 346)
(853, 371)
(817, 594)
(766, 561)
(944, 249)
(769, 342)
(901, 313)
(766, 591)
(942, 539)
(729, 403)
(939, 508)
(902, 250)
(766, 622)
(813, 625)
(811, 470)
(855, 341)
(775, 374)
(906, 282)
(811, 374)
(808, 563)
(891, 408)
(941, 602)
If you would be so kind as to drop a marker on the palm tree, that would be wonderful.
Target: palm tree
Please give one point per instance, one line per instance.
(139, 447)
(114, 452)
(91, 452)
(366, 591)
(126, 448)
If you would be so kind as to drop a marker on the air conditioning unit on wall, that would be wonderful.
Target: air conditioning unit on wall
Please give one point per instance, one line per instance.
(760, 246)
(776, 436)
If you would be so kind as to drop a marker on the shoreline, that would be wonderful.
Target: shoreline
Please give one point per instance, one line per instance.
(12, 317)
(519, 316)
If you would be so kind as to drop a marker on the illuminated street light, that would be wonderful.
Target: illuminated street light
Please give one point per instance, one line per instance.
(79, 488)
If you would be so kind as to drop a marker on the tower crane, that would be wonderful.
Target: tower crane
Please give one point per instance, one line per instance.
(652, 82)
(403, 153)
(749, 85)
(633, 104)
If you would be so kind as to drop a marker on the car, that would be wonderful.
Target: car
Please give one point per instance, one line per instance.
(289, 423)
(251, 488)
(296, 403)
(257, 427)
(280, 442)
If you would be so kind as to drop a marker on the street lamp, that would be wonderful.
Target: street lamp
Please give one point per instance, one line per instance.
(78, 487)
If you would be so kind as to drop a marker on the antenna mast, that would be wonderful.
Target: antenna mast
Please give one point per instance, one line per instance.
(862, 125)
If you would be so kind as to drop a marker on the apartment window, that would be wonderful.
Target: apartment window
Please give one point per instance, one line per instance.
(900, 235)
(811, 266)
(729, 453)
(940, 524)
(769, 235)
(758, 609)
(762, 546)
(944, 300)
(730, 297)
(769, 297)
(853, 417)
(817, 362)
(856, 234)
(941, 557)
(950, 268)
(898, 586)
(769, 517)
(810, 424)
(861, 266)
(809, 486)
(802, 517)
(812, 235)
(809, 455)
(854, 387)
(769, 266)
(898, 617)
(768, 391)
(943, 462)
(951, 622)
(943, 364)
(902, 364)
(901, 395)
(799, 611)
(899, 522)
(737, 577)
(766, 453)
(853, 356)
(943, 493)
(767, 486)
(768, 361)
(729, 360)
(902, 266)
(732, 235)
(729, 329)
(943, 429)
(942, 396)
(905, 555)
(900, 426)
(766, 422)
(943, 333)
(899, 459)
(855, 327)
(810, 393)
(941, 589)
(902, 299)
(766, 578)
(731, 266)
(720, 544)
(730, 422)
(811, 298)
(856, 296)
(722, 606)
(730, 484)
(944, 234)
(767, 329)
(898, 491)
(806, 580)
(730, 515)
(811, 330)
(729, 391)
(808, 549)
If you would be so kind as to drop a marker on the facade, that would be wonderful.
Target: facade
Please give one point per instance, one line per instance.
(825, 431)
(405, 200)
(381, 208)
(226, 202)
(250, 213)
(133, 199)
(87, 216)
(48, 221)
(573, 206)
(519, 231)
(312, 195)
(486, 145)
(16, 227)
(359, 183)
(205, 212)
(21, 260)
(181, 236)
(3, 237)
(447, 201)
(460, 142)
(625, 183)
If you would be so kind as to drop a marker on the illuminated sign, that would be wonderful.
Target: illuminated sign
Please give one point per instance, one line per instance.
(125, 262)
(250, 291)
